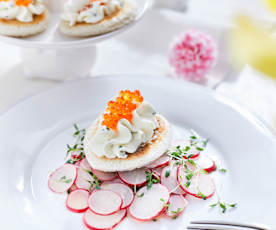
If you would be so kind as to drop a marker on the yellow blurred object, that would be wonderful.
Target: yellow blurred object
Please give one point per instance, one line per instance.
(254, 44)
(271, 4)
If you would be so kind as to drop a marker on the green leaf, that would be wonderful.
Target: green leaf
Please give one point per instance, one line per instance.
(149, 185)
(189, 176)
(193, 137)
(188, 183)
(205, 142)
(223, 170)
(202, 196)
(191, 162)
(167, 174)
(76, 127)
(187, 148)
(223, 207)
(140, 195)
(213, 205)
(199, 149)
(68, 181)
(64, 180)
(177, 211)
(233, 205)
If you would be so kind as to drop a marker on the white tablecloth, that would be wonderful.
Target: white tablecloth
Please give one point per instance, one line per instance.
(143, 50)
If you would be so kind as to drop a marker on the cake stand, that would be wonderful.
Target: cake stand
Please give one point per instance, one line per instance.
(55, 56)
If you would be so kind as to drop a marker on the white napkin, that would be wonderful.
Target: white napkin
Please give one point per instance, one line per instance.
(256, 91)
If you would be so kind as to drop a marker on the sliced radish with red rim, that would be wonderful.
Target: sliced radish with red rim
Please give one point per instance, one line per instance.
(177, 205)
(98, 222)
(157, 171)
(149, 203)
(206, 163)
(123, 190)
(77, 200)
(104, 176)
(169, 179)
(62, 178)
(160, 162)
(84, 179)
(183, 144)
(200, 185)
(104, 202)
(73, 188)
(136, 177)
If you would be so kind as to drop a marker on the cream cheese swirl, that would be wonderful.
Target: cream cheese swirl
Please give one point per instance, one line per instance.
(9, 10)
(128, 137)
(90, 12)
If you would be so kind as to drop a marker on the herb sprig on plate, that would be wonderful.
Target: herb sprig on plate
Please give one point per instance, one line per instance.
(76, 151)
(181, 157)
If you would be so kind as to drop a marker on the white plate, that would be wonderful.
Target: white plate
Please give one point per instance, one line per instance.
(53, 38)
(35, 132)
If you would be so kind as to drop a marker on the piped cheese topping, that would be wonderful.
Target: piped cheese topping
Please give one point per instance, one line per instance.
(21, 10)
(132, 129)
(89, 11)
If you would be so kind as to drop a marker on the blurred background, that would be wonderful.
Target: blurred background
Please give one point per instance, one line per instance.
(243, 31)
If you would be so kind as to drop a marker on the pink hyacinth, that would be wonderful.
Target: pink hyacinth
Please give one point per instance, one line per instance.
(192, 54)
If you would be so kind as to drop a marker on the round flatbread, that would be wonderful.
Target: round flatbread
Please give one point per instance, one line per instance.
(142, 157)
(110, 23)
(15, 28)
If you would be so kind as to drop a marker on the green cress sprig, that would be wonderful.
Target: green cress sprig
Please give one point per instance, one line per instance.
(76, 152)
(152, 178)
(167, 205)
(178, 154)
(65, 180)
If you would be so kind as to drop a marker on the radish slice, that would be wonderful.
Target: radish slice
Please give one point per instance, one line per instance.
(160, 162)
(206, 163)
(98, 222)
(149, 203)
(123, 190)
(201, 184)
(62, 178)
(73, 188)
(183, 144)
(104, 202)
(84, 179)
(77, 200)
(171, 180)
(157, 171)
(177, 205)
(136, 177)
(104, 176)
(78, 163)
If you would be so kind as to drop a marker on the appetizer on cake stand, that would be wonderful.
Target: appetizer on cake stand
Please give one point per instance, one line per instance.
(67, 48)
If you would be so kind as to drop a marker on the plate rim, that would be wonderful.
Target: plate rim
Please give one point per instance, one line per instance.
(242, 109)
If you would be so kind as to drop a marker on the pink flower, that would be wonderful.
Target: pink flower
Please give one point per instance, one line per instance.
(192, 54)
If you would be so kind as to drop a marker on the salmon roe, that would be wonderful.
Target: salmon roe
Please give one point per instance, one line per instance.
(122, 107)
(23, 2)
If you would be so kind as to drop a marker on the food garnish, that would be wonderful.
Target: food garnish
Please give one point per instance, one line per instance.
(122, 107)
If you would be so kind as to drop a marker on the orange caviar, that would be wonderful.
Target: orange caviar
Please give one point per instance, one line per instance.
(122, 107)
(23, 2)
